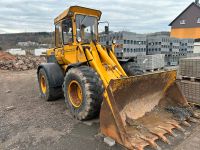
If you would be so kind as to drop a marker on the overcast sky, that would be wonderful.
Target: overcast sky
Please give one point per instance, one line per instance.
(142, 16)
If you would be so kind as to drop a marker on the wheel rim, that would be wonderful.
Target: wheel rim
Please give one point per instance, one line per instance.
(75, 94)
(43, 84)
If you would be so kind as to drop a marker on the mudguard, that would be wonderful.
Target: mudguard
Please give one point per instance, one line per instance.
(54, 73)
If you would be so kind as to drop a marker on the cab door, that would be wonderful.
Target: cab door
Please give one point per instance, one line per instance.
(58, 43)
(69, 48)
(66, 49)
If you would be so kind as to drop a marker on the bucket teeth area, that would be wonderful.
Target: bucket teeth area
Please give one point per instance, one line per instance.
(177, 126)
(193, 120)
(185, 123)
(151, 142)
(155, 125)
(196, 115)
(168, 130)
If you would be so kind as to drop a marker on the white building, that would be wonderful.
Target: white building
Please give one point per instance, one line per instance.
(28, 43)
(16, 51)
(196, 47)
(39, 51)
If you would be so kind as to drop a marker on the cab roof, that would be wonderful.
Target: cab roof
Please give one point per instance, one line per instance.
(77, 9)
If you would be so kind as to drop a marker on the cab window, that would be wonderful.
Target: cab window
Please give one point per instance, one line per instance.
(58, 35)
(67, 31)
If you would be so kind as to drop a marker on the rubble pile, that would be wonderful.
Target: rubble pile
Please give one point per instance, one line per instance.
(19, 63)
(6, 56)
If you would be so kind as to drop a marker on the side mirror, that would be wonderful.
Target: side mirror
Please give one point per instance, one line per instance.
(106, 30)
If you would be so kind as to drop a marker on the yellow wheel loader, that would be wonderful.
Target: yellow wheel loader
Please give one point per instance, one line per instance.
(135, 111)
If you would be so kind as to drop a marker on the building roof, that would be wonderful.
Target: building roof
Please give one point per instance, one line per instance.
(198, 5)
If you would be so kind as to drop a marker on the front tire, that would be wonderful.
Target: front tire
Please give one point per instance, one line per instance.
(83, 90)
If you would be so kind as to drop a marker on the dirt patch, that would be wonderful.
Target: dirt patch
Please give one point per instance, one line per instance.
(29, 122)
(32, 121)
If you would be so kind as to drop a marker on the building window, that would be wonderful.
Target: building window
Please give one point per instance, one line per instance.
(182, 22)
(131, 41)
(198, 20)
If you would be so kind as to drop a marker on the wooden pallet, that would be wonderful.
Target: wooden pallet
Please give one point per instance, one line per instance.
(194, 104)
(192, 79)
(152, 70)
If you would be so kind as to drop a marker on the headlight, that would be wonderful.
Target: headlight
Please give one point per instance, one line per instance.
(114, 41)
(79, 39)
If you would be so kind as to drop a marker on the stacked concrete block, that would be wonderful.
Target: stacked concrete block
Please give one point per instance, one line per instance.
(190, 67)
(129, 44)
(151, 62)
(173, 48)
(191, 90)
(158, 45)
(189, 78)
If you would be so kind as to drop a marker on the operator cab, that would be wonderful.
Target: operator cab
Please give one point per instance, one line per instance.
(77, 24)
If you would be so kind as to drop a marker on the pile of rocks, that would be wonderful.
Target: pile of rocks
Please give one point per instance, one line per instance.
(20, 63)
(6, 56)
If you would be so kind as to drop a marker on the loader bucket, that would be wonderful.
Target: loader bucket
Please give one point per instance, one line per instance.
(143, 109)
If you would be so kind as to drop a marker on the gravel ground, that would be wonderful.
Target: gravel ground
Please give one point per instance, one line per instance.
(28, 122)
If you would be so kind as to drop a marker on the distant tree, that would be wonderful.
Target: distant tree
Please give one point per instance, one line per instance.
(1, 48)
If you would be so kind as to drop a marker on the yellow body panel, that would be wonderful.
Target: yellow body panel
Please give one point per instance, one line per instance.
(193, 33)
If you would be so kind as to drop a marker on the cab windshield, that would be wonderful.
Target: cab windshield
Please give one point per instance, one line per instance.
(86, 27)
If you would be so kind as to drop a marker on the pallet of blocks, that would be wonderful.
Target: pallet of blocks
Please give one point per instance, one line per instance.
(151, 62)
(190, 67)
(189, 79)
(191, 90)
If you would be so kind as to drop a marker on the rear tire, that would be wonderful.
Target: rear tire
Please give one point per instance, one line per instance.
(132, 69)
(86, 105)
(48, 93)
